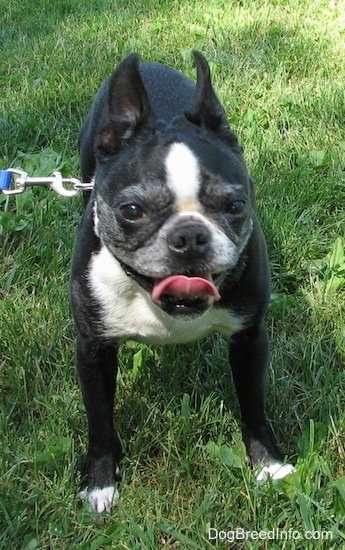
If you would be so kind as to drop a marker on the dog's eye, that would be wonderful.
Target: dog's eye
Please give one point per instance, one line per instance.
(236, 207)
(132, 212)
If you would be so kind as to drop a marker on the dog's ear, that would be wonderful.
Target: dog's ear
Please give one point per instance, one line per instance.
(127, 110)
(207, 111)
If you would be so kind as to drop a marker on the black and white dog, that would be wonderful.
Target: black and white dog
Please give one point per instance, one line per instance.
(169, 250)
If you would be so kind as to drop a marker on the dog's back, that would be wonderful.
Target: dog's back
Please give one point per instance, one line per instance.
(170, 92)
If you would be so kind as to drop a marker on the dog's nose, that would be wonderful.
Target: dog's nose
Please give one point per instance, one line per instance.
(192, 238)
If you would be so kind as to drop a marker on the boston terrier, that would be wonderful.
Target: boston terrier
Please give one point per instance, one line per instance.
(169, 250)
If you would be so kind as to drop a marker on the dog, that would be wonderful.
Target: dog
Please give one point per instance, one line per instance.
(169, 250)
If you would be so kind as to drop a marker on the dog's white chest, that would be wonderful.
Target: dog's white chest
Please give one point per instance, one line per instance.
(129, 313)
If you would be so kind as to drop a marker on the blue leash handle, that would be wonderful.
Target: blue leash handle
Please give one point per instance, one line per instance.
(5, 180)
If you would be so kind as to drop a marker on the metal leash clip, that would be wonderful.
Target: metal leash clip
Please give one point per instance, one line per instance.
(55, 182)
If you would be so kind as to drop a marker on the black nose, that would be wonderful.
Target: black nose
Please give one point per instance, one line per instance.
(190, 238)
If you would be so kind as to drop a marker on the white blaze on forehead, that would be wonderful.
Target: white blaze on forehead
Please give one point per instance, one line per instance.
(183, 176)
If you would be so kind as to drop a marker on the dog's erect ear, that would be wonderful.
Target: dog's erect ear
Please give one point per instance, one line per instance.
(127, 111)
(206, 111)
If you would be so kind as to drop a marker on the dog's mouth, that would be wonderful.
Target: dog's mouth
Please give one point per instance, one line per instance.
(180, 294)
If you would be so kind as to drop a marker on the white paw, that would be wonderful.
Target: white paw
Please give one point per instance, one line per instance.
(277, 470)
(101, 500)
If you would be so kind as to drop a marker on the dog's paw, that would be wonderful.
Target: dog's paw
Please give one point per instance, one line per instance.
(276, 470)
(101, 500)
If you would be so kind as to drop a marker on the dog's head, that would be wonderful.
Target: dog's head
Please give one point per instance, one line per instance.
(172, 201)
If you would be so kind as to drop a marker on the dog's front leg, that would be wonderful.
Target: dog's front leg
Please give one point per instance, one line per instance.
(97, 369)
(248, 353)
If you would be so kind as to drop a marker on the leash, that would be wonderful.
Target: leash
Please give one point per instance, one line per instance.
(13, 182)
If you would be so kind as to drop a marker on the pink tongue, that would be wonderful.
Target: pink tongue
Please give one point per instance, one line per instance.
(181, 286)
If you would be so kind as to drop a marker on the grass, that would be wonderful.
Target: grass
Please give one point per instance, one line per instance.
(278, 68)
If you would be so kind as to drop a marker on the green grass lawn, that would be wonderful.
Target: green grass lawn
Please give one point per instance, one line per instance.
(278, 68)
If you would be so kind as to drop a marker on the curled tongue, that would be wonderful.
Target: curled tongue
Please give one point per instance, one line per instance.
(182, 287)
